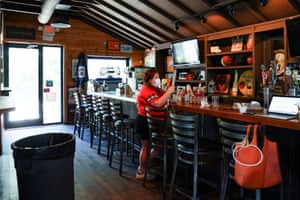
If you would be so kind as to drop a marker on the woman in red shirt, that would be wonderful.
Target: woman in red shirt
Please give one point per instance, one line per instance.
(150, 95)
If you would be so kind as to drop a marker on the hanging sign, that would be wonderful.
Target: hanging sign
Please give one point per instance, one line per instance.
(20, 32)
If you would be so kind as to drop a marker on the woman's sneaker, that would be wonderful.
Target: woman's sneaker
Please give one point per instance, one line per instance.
(140, 175)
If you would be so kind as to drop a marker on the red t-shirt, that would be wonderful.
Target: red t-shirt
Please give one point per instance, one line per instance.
(146, 97)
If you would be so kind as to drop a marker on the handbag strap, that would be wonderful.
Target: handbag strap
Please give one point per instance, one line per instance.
(243, 144)
(254, 136)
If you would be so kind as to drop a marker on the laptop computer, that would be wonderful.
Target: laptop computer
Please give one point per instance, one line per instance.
(282, 107)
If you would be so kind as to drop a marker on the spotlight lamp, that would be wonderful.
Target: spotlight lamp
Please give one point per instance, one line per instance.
(176, 25)
(263, 2)
(203, 19)
(231, 9)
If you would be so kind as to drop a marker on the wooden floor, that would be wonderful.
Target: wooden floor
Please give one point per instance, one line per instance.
(94, 179)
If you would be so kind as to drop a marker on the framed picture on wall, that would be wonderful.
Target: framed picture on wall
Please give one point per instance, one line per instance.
(222, 83)
(113, 45)
(237, 44)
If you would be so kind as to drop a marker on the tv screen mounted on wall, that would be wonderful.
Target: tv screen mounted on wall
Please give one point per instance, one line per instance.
(293, 34)
(186, 52)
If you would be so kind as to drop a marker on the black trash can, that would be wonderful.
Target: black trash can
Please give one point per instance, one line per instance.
(44, 166)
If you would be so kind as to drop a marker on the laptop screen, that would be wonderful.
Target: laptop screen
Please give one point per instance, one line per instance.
(284, 105)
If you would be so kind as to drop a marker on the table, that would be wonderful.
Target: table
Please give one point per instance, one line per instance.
(6, 105)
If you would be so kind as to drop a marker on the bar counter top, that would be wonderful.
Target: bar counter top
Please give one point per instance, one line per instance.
(226, 111)
(113, 95)
(6, 105)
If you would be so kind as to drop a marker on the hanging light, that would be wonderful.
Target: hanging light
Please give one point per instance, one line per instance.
(61, 22)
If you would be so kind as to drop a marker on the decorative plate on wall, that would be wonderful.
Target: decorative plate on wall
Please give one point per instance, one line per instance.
(246, 83)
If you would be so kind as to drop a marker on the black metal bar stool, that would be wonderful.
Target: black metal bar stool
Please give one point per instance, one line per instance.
(105, 123)
(230, 133)
(123, 129)
(193, 151)
(160, 137)
(82, 116)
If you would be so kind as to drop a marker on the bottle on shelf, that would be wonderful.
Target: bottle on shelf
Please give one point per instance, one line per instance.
(234, 90)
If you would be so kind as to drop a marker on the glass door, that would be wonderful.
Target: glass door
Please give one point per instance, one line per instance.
(52, 84)
(33, 73)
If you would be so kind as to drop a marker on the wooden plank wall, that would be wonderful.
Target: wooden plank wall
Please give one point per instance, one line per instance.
(81, 37)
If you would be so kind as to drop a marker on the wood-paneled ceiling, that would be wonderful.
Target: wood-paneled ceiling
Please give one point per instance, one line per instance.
(145, 23)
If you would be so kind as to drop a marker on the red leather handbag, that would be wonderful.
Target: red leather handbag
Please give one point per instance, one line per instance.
(255, 168)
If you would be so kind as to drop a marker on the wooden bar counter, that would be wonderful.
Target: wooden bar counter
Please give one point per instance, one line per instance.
(6, 105)
(226, 111)
(285, 132)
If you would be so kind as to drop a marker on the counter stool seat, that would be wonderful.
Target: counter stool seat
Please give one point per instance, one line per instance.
(193, 151)
(123, 132)
(230, 133)
(160, 137)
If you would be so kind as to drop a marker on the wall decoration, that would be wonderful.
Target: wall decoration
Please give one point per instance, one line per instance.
(237, 44)
(113, 45)
(20, 32)
(222, 83)
(126, 48)
(246, 83)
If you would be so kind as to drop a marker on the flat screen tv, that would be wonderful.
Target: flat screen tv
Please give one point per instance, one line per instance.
(185, 52)
(293, 34)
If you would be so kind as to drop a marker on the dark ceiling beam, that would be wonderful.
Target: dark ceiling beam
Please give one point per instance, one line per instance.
(295, 4)
(253, 9)
(168, 16)
(150, 19)
(190, 12)
(29, 7)
(139, 22)
(129, 27)
(221, 8)
(113, 31)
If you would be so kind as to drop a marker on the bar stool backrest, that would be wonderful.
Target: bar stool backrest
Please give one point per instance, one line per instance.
(185, 132)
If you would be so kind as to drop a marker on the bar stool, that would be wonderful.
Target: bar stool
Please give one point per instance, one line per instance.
(193, 151)
(160, 137)
(105, 123)
(81, 116)
(123, 129)
(95, 120)
(230, 133)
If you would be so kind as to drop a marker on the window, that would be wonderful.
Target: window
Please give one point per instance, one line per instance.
(107, 67)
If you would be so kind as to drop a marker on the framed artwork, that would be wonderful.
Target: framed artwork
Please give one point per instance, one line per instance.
(126, 48)
(113, 45)
(222, 83)
(237, 44)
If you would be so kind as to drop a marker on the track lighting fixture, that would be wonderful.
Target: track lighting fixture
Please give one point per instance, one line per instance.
(263, 2)
(61, 22)
(231, 9)
(203, 19)
(176, 25)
